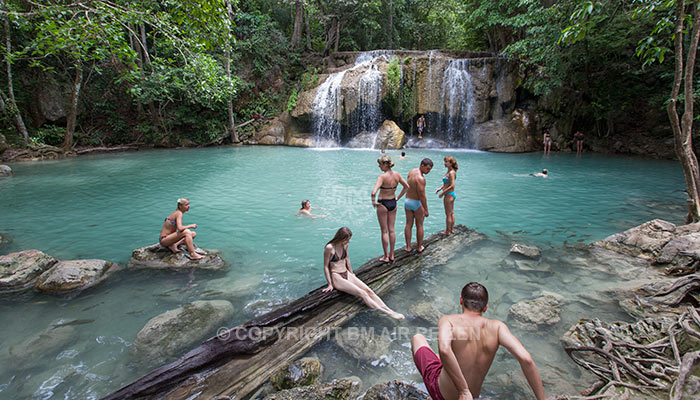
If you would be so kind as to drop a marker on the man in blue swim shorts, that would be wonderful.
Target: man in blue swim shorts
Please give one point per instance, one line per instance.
(416, 204)
(467, 344)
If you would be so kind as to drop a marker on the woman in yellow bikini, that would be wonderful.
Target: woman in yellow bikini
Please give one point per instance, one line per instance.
(336, 266)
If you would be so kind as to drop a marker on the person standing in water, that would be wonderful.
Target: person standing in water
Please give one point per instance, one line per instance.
(467, 344)
(447, 193)
(416, 204)
(578, 137)
(547, 141)
(173, 233)
(386, 204)
(420, 124)
(339, 274)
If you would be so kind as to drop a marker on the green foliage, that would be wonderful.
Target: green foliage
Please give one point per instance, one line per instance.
(393, 83)
(309, 79)
(49, 134)
(292, 102)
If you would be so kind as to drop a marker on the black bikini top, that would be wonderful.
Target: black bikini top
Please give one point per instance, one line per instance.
(335, 256)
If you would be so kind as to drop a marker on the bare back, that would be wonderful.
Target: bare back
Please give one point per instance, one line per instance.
(475, 340)
(416, 184)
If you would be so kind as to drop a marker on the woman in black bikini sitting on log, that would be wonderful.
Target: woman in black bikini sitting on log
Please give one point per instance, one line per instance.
(386, 204)
(336, 266)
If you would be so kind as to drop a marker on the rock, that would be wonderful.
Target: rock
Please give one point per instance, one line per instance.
(525, 250)
(273, 133)
(395, 390)
(660, 297)
(302, 372)
(18, 271)
(527, 265)
(362, 345)
(514, 135)
(168, 334)
(543, 310)
(5, 239)
(643, 241)
(680, 253)
(158, 257)
(3, 144)
(390, 136)
(271, 140)
(342, 389)
(425, 311)
(43, 345)
(300, 142)
(5, 171)
(518, 388)
(74, 275)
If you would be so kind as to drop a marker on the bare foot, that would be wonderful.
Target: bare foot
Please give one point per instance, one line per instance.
(391, 257)
(409, 249)
(420, 249)
(195, 256)
(384, 259)
(396, 315)
(173, 248)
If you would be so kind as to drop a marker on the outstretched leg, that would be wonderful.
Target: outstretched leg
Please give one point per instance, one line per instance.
(365, 293)
(420, 217)
(377, 300)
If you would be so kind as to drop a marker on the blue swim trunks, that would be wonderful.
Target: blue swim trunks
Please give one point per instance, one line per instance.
(411, 204)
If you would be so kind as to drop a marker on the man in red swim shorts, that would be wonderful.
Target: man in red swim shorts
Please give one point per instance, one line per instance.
(467, 344)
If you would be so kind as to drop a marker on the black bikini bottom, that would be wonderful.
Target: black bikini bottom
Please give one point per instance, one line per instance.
(390, 204)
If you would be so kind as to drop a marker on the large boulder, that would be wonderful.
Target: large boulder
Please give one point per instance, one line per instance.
(643, 241)
(535, 313)
(509, 135)
(299, 141)
(168, 334)
(5, 171)
(341, 389)
(273, 133)
(18, 271)
(395, 390)
(74, 275)
(390, 136)
(363, 345)
(43, 345)
(302, 372)
(158, 257)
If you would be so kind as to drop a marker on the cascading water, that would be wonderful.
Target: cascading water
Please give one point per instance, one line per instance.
(327, 112)
(457, 103)
(328, 103)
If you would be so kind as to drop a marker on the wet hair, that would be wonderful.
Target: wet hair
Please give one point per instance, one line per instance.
(427, 161)
(475, 297)
(544, 171)
(403, 153)
(342, 234)
(386, 160)
(452, 162)
(182, 200)
(303, 202)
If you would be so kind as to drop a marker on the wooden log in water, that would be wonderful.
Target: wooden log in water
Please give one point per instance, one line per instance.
(240, 360)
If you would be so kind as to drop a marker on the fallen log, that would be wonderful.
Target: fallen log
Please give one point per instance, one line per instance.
(238, 361)
(105, 149)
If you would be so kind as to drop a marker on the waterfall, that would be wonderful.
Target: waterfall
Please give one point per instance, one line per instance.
(457, 103)
(327, 112)
(328, 104)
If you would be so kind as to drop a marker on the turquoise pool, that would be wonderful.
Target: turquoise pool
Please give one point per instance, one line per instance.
(244, 201)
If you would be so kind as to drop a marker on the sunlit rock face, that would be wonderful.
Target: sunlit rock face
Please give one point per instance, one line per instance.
(468, 100)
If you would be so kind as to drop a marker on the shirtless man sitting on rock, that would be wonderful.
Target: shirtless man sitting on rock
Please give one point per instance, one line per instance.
(467, 344)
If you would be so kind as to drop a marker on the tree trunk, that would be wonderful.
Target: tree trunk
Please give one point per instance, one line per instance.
(144, 45)
(298, 25)
(308, 30)
(10, 105)
(73, 113)
(231, 119)
(683, 127)
(337, 35)
(391, 24)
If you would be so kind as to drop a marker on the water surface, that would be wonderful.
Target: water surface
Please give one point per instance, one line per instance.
(244, 201)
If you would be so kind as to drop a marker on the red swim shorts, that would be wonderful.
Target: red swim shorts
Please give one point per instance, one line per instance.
(429, 366)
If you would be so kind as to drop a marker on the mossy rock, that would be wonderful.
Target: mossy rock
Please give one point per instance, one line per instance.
(302, 372)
